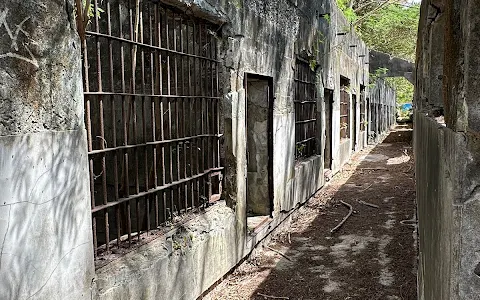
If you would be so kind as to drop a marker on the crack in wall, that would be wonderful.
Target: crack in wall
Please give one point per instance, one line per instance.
(54, 269)
(5, 236)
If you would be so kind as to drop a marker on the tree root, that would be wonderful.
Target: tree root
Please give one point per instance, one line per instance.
(276, 251)
(344, 219)
(368, 204)
(272, 297)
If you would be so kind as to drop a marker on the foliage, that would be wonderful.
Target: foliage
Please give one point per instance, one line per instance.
(91, 10)
(379, 73)
(347, 9)
(389, 27)
(403, 88)
(392, 29)
(327, 18)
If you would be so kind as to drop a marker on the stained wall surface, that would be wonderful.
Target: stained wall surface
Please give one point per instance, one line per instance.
(45, 220)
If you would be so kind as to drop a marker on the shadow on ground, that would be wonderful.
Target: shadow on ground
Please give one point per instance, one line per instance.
(371, 256)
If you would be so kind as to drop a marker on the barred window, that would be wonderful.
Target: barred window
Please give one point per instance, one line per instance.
(305, 101)
(152, 113)
(344, 110)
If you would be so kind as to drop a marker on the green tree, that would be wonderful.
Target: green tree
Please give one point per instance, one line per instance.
(391, 29)
(387, 26)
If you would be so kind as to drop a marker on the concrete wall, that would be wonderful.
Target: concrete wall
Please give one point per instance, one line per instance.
(381, 116)
(263, 38)
(45, 220)
(45, 216)
(447, 149)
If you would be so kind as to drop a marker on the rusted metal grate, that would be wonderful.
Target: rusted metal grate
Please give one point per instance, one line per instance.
(152, 110)
(344, 113)
(305, 101)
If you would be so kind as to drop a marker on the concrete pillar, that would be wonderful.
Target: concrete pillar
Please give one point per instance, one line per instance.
(45, 220)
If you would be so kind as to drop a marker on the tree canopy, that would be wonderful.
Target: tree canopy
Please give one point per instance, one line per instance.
(389, 26)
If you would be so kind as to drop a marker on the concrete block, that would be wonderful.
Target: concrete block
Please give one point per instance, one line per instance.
(180, 265)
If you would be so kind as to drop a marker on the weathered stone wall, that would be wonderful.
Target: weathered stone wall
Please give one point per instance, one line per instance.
(45, 220)
(447, 149)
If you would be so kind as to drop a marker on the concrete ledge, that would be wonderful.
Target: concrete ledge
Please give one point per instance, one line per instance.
(308, 178)
(345, 151)
(181, 265)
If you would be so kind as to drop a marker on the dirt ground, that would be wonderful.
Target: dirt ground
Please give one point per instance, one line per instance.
(371, 256)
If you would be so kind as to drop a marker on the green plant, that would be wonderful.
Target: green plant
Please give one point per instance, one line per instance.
(83, 11)
(347, 9)
(403, 88)
(313, 64)
(300, 149)
(327, 18)
(379, 73)
(91, 10)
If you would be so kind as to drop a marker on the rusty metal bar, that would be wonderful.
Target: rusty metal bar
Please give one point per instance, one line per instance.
(306, 121)
(152, 113)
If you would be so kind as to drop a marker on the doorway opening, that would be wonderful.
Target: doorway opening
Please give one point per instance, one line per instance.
(259, 127)
(327, 156)
(354, 121)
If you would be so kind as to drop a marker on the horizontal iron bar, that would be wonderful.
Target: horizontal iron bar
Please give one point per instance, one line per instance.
(305, 140)
(154, 143)
(303, 81)
(306, 101)
(305, 121)
(147, 95)
(147, 45)
(306, 62)
(154, 190)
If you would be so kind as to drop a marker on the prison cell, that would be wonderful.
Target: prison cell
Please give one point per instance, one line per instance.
(305, 101)
(344, 112)
(152, 111)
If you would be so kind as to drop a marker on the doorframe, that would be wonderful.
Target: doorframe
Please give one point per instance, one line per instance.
(354, 122)
(271, 100)
(328, 104)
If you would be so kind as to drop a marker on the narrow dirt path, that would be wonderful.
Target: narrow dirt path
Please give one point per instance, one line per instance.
(372, 256)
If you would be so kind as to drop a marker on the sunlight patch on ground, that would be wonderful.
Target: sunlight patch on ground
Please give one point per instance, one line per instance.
(331, 286)
(386, 276)
(398, 160)
(374, 158)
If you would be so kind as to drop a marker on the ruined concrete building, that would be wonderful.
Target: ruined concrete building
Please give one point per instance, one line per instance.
(145, 151)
